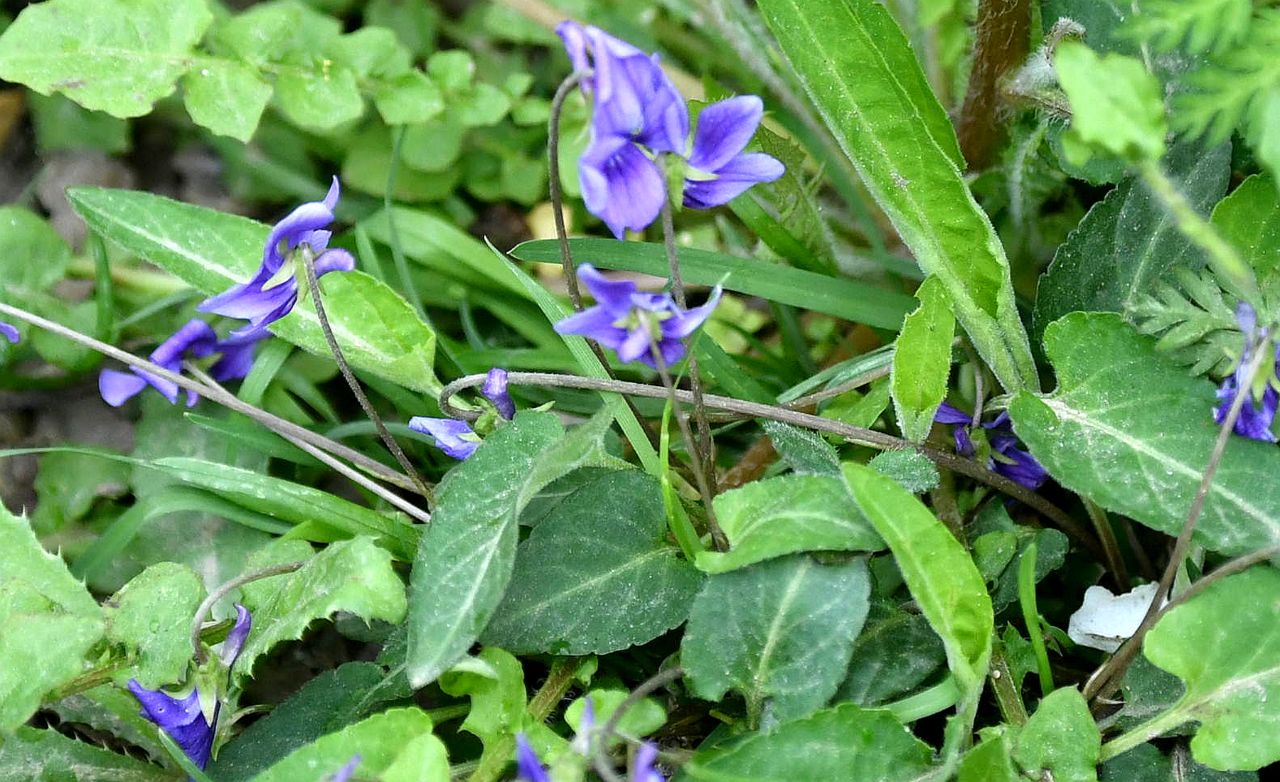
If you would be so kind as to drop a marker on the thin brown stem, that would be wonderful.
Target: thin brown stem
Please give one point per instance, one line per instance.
(1107, 537)
(313, 285)
(279, 425)
(1112, 670)
(197, 623)
(745, 409)
(553, 182)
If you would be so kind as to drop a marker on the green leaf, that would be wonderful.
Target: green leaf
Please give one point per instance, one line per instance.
(69, 484)
(895, 653)
(779, 632)
(597, 576)
(990, 761)
(641, 718)
(325, 704)
(319, 100)
(49, 622)
(1145, 763)
(1249, 218)
(211, 251)
(802, 450)
(151, 617)
(858, 68)
(841, 744)
(1128, 429)
(467, 554)
(777, 516)
(227, 97)
(112, 710)
(908, 467)
(1062, 738)
(33, 755)
(1128, 241)
(1223, 644)
(61, 123)
(115, 56)
(849, 299)
(922, 361)
(24, 238)
(354, 576)
(379, 741)
(293, 502)
(496, 690)
(408, 99)
(1117, 107)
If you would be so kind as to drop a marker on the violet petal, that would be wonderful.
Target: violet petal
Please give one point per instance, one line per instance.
(724, 130)
(448, 434)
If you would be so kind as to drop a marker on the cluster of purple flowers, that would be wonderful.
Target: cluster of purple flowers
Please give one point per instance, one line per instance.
(1004, 455)
(639, 115)
(268, 297)
(1258, 410)
(456, 438)
(184, 719)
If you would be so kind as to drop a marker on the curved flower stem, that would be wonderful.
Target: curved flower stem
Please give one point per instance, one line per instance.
(706, 443)
(219, 396)
(600, 760)
(313, 284)
(334, 464)
(854, 434)
(553, 183)
(197, 623)
(1114, 668)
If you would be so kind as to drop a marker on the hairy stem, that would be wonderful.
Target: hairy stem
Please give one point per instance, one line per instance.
(276, 424)
(313, 284)
(1002, 43)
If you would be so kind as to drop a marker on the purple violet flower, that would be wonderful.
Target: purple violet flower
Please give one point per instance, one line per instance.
(528, 767)
(1005, 458)
(344, 774)
(8, 332)
(273, 291)
(456, 438)
(627, 321)
(1258, 412)
(194, 340)
(720, 170)
(638, 113)
(495, 390)
(643, 771)
(182, 718)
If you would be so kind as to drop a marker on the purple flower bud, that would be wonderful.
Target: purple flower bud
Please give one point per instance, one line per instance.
(343, 774)
(195, 339)
(181, 719)
(629, 322)
(1257, 412)
(724, 170)
(271, 294)
(528, 767)
(1006, 457)
(234, 642)
(495, 390)
(455, 438)
(8, 332)
(643, 771)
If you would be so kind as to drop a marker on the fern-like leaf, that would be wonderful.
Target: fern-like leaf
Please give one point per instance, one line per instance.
(1194, 322)
(1196, 26)
(1236, 87)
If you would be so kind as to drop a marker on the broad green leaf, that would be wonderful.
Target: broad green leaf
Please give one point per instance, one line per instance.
(325, 704)
(211, 251)
(69, 484)
(777, 516)
(497, 695)
(779, 632)
(33, 755)
(293, 502)
(641, 718)
(424, 759)
(409, 99)
(1128, 429)
(841, 744)
(907, 467)
(227, 97)
(117, 56)
(1062, 738)
(1117, 106)
(151, 617)
(942, 578)
(865, 81)
(467, 554)
(842, 298)
(48, 621)
(1127, 242)
(1250, 219)
(1225, 644)
(61, 123)
(114, 710)
(1145, 763)
(597, 576)
(895, 653)
(354, 576)
(379, 741)
(32, 255)
(319, 100)
(990, 761)
(922, 361)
